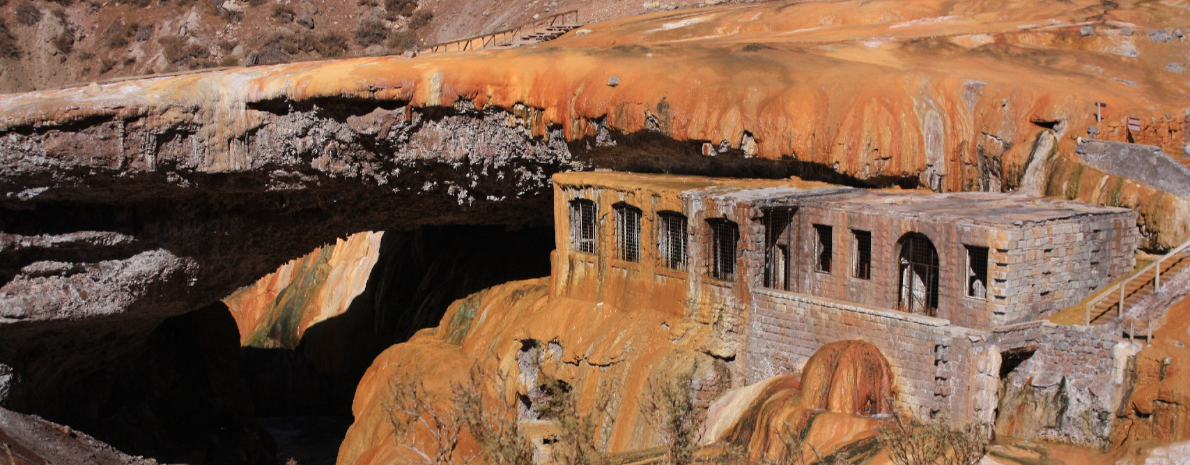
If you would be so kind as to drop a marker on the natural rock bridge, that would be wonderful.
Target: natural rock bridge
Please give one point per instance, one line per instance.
(130, 203)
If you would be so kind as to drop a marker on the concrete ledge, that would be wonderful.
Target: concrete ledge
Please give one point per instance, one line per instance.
(831, 303)
(1145, 164)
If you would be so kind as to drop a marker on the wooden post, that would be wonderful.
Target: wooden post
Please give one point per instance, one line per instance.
(1120, 309)
(1157, 280)
(1087, 313)
(1131, 329)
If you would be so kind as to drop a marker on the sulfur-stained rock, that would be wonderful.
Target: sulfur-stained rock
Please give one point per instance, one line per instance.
(847, 377)
(1159, 405)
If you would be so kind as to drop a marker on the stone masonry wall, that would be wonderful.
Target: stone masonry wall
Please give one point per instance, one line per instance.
(929, 357)
(1050, 266)
(1067, 388)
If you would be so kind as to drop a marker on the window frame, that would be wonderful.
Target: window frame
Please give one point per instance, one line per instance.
(623, 209)
(715, 253)
(969, 272)
(579, 243)
(856, 255)
(818, 248)
(665, 235)
(779, 239)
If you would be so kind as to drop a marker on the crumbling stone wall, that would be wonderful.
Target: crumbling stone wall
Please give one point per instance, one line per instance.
(1067, 386)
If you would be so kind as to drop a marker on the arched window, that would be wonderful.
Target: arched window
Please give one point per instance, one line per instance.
(627, 232)
(671, 240)
(582, 226)
(919, 275)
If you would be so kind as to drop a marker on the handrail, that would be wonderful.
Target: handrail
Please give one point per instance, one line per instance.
(1123, 285)
(489, 39)
(468, 40)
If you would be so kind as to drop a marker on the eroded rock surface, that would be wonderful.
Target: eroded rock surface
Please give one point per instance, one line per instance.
(29, 440)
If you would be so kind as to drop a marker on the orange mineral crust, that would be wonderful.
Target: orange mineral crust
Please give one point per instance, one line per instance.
(1158, 408)
(595, 347)
(276, 310)
(954, 93)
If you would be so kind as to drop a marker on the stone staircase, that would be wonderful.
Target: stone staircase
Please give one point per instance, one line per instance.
(1135, 302)
(540, 30)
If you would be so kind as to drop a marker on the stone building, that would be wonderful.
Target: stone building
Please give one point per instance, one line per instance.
(952, 288)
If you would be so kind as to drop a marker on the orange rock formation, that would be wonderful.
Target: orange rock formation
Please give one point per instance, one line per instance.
(1160, 403)
(276, 310)
(841, 380)
(594, 345)
(953, 93)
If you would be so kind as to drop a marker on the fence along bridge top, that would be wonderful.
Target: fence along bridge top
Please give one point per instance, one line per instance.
(541, 30)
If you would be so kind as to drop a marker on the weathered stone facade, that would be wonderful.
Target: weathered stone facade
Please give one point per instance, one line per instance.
(813, 264)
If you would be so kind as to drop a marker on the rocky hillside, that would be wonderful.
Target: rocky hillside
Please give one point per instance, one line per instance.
(50, 43)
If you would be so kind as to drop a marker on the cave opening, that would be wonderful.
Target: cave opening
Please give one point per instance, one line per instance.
(302, 378)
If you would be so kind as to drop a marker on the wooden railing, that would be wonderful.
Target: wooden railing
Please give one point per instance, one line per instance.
(1120, 287)
(506, 36)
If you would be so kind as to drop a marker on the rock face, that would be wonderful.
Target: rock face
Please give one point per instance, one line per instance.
(278, 309)
(91, 267)
(174, 394)
(847, 377)
(588, 346)
(1159, 405)
(829, 405)
(29, 440)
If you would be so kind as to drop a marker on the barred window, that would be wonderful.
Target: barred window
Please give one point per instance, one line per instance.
(778, 229)
(724, 235)
(627, 232)
(862, 251)
(582, 226)
(977, 271)
(824, 247)
(671, 240)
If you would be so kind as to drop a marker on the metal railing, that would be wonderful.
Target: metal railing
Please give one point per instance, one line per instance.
(1120, 287)
(506, 36)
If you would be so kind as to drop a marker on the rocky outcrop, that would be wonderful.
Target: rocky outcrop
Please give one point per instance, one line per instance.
(1164, 218)
(1158, 407)
(591, 347)
(29, 440)
(1141, 163)
(173, 394)
(829, 406)
(94, 266)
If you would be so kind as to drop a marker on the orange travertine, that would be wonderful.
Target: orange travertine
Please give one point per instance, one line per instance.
(955, 93)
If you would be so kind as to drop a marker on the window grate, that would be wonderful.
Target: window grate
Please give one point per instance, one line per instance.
(863, 254)
(672, 240)
(724, 235)
(977, 272)
(824, 247)
(627, 233)
(582, 226)
(777, 229)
